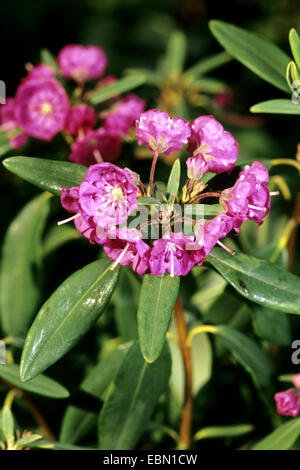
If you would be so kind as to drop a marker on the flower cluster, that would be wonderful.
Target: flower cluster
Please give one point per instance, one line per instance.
(43, 107)
(104, 204)
(288, 402)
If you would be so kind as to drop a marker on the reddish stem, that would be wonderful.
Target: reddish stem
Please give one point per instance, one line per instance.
(154, 161)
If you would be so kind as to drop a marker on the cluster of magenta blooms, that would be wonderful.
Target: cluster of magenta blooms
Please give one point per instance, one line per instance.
(102, 204)
(42, 108)
(106, 198)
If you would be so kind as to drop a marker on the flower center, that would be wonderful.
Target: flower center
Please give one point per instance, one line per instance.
(46, 108)
(117, 193)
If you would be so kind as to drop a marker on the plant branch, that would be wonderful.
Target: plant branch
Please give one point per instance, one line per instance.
(38, 417)
(186, 416)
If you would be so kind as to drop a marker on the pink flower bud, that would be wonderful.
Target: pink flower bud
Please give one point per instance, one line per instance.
(288, 402)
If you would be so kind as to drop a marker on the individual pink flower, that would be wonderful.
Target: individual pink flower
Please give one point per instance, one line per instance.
(107, 194)
(9, 123)
(96, 146)
(82, 62)
(249, 198)
(218, 147)
(80, 118)
(123, 114)
(288, 402)
(160, 133)
(41, 108)
(129, 248)
(39, 72)
(171, 254)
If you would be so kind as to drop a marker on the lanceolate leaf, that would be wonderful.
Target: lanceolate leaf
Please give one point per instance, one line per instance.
(176, 51)
(295, 46)
(19, 282)
(157, 298)
(174, 179)
(248, 353)
(77, 422)
(258, 54)
(133, 396)
(50, 175)
(66, 316)
(259, 280)
(41, 385)
(120, 86)
(279, 106)
(59, 236)
(282, 438)
(208, 64)
(223, 432)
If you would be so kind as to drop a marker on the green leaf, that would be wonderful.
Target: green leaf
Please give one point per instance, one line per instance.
(176, 52)
(282, 438)
(258, 54)
(50, 175)
(272, 326)
(7, 422)
(59, 236)
(54, 445)
(40, 385)
(174, 179)
(259, 280)
(25, 441)
(295, 46)
(48, 58)
(208, 64)
(223, 432)
(152, 76)
(279, 106)
(157, 299)
(19, 275)
(292, 76)
(77, 423)
(125, 300)
(132, 399)
(248, 353)
(210, 85)
(66, 316)
(120, 86)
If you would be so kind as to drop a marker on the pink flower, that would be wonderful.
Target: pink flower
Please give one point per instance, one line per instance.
(96, 146)
(107, 194)
(40, 72)
(41, 108)
(171, 254)
(80, 118)
(159, 132)
(288, 402)
(9, 123)
(129, 248)
(82, 62)
(249, 198)
(124, 114)
(218, 147)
